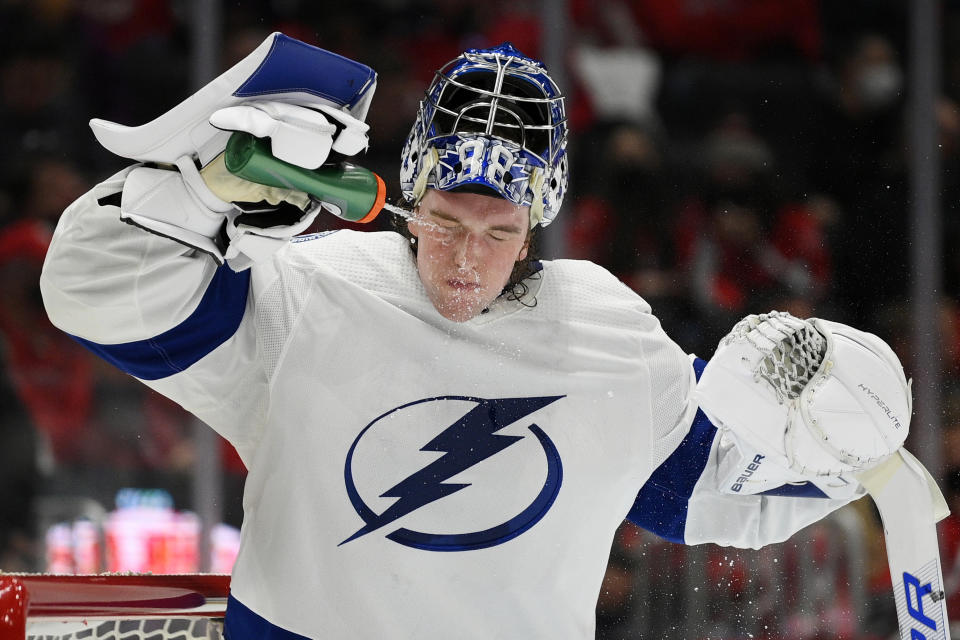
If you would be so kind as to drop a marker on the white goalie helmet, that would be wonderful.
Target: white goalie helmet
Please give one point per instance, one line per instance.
(491, 120)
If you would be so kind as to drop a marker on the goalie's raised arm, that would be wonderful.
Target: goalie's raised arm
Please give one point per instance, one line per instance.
(146, 295)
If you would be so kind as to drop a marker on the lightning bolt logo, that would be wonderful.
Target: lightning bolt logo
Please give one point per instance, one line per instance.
(468, 441)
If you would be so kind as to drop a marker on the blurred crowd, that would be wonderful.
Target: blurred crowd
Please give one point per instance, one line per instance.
(727, 157)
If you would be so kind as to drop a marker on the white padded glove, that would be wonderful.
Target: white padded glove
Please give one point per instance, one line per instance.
(192, 208)
(308, 101)
(817, 397)
(281, 69)
(299, 135)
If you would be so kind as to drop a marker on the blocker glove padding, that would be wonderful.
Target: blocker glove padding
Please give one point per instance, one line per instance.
(816, 397)
(298, 135)
(267, 218)
(307, 101)
(281, 69)
(191, 207)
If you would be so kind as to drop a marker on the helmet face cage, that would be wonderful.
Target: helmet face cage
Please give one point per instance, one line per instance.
(492, 119)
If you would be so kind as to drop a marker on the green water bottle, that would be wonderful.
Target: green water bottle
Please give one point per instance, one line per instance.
(359, 193)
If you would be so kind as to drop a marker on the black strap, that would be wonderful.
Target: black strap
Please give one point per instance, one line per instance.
(112, 200)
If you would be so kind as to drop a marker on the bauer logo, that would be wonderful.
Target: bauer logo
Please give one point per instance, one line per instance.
(748, 471)
(923, 623)
(453, 473)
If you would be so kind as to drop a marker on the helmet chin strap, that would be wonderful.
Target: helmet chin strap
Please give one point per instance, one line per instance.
(536, 187)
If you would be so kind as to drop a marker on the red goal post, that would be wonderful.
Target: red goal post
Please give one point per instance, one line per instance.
(113, 606)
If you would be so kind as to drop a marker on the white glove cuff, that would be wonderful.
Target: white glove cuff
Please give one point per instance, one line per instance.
(744, 470)
(251, 244)
(175, 205)
(180, 206)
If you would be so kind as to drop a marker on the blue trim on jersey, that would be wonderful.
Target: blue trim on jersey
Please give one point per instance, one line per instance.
(240, 623)
(661, 504)
(291, 65)
(802, 490)
(313, 236)
(699, 364)
(212, 323)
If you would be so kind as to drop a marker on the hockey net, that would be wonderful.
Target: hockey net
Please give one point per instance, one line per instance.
(112, 607)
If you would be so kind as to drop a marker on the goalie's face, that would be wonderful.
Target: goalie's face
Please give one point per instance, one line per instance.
(467, 246)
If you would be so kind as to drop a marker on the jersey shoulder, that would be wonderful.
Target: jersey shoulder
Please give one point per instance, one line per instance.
(586, 292)
(621, 324)
(339, 246)
(378, 261)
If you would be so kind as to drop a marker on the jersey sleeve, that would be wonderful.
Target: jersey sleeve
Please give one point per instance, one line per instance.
(683, 501)
(160, 311)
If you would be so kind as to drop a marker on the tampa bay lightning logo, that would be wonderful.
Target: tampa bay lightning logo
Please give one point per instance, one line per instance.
(465, 441)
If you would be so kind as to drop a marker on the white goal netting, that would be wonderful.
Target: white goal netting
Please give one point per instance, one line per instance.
(140, 629)
(112, 607)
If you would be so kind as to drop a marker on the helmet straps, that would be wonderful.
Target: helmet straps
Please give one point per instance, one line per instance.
(430, 161)
(536, 204)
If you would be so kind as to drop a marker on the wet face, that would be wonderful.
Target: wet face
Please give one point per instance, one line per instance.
(467, 247)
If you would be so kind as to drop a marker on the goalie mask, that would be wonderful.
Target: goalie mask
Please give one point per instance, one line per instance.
(493, 121)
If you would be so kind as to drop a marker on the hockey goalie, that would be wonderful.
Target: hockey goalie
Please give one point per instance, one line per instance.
(443, 431)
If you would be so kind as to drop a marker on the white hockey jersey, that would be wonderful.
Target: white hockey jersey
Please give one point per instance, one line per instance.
(410, 477)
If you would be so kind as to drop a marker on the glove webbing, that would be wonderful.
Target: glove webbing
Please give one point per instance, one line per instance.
(792, 363)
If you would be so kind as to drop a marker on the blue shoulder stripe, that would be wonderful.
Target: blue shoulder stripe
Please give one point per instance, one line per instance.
(240, 623)
(661, 504)
(212, 323)
(291, 65)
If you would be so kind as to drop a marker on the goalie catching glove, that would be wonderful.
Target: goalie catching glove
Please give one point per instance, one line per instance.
(815, 398)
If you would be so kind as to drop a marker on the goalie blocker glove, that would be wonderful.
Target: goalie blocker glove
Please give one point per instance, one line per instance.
(816, 398)
(229, 218)
(192, 207)
(308, 101)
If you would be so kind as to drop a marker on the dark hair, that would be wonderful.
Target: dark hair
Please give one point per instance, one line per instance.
(528, 267)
